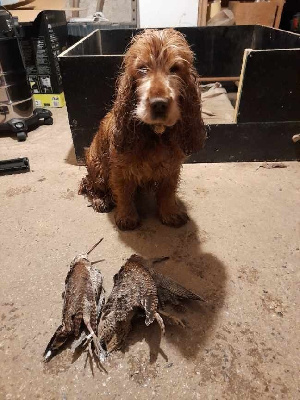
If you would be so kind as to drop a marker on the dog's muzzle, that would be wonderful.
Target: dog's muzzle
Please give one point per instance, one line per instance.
(159, 107)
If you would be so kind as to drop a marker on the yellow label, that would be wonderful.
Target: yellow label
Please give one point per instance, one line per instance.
(49, 100)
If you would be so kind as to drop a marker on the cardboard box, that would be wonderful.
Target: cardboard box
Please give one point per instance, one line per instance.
(262, 13)
(28, 10)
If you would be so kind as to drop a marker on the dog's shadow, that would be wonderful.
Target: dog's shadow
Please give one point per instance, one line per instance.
(188, 265)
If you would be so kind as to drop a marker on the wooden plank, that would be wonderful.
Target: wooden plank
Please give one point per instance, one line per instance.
(199, 12)
(219, 49)
(249, 142)
(203, 12)
(241, 81)
(265, 38)
(270, 86)
(219, 79)
(88, 96)
(232, 143)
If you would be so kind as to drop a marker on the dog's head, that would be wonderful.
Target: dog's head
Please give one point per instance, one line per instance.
(158, 87)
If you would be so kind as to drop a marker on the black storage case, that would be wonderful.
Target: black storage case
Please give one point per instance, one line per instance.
(42, 40)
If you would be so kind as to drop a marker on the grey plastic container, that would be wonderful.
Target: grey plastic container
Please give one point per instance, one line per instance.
(15, 93)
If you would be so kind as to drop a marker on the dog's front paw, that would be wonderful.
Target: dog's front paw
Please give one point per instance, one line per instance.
(128, 222)
(102, 205)
(176, 219)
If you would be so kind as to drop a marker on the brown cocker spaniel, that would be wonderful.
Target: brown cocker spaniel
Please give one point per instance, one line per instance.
(154, 123)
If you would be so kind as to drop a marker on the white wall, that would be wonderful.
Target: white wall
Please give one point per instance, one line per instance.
(114, 10)
(153, 13)
(168, 13)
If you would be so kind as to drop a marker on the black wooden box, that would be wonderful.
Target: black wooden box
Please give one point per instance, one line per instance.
(266, 62)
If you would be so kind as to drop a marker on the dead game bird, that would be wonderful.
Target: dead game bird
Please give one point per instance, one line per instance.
(137, 286)
(83, 302)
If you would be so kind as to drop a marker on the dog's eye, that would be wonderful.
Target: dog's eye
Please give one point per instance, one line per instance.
(143, 69)
(174, 69)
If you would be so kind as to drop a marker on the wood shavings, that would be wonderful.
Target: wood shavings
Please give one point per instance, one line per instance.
(271, 165)
(296, 138)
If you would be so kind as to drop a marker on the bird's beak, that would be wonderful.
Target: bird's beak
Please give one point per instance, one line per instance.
(95, 245)
(96, 262)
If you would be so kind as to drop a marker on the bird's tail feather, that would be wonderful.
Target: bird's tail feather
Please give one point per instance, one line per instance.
(56, 342)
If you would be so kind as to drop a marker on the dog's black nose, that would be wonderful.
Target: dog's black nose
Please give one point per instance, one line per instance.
(159, 106)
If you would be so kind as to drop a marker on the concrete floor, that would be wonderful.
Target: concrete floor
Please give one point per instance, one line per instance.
(240, 251)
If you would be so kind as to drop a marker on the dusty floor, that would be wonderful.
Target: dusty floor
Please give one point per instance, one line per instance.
(240, 251)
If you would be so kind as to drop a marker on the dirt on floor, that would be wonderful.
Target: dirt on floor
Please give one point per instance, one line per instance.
(240, 251)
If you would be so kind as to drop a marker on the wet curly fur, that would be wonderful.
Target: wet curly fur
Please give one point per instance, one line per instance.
(137, 143)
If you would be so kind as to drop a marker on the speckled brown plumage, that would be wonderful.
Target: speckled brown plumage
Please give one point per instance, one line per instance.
(83, 301)
(137, 286)
(169, 291)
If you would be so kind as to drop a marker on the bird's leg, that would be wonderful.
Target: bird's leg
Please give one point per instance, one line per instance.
(173, 319)
(90, 350)
(160, 322)
(82, 341)
(93, 336)
(102, 355)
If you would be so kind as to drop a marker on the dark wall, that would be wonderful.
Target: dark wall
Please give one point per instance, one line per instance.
(290, 8)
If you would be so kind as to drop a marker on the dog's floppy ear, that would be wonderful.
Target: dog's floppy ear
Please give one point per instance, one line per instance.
(124, 132)
(191, 132)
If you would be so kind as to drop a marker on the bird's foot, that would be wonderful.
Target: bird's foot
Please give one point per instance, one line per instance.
(102, 354)
(172, 319)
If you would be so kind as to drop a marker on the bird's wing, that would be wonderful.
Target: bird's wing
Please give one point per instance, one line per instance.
(97, 282)
(134, 288)
(174, 289)
(78, 285)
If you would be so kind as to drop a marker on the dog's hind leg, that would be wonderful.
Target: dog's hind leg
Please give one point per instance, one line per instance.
(95, 186)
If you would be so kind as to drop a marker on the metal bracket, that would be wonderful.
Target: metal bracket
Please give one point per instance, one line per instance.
(15, 165)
